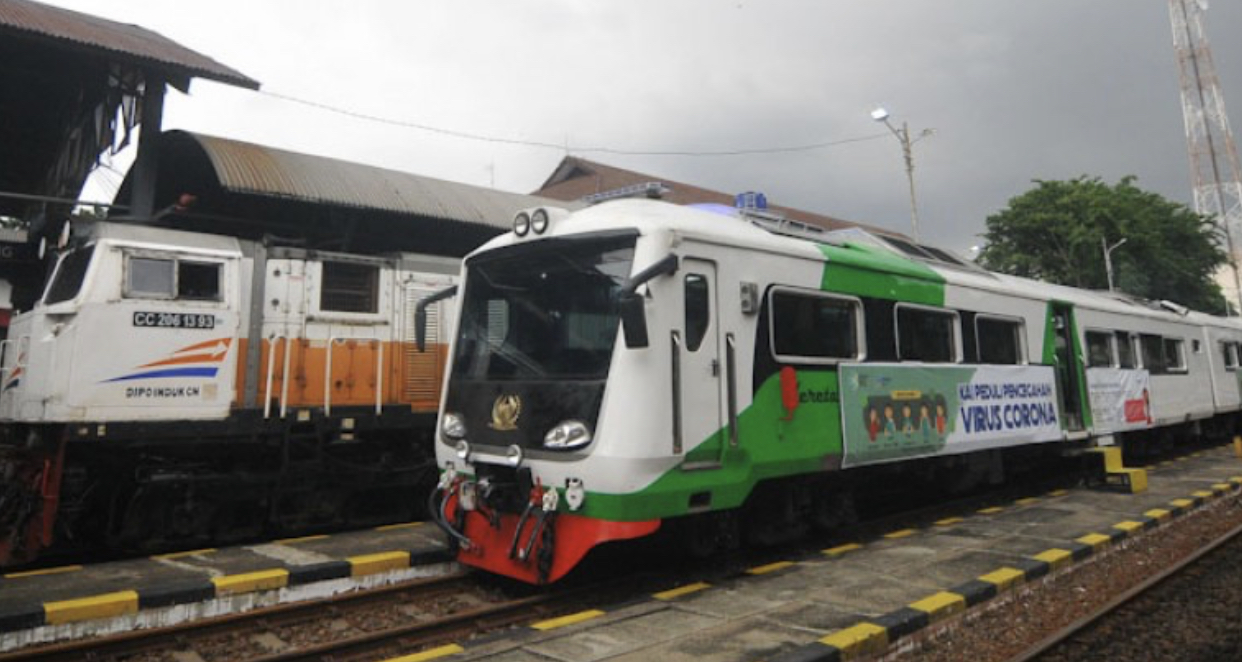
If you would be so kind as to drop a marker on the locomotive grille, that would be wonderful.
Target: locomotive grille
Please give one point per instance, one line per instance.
(423, 370)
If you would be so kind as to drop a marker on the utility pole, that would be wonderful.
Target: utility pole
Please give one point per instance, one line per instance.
(1108, 258)
(1215, 173)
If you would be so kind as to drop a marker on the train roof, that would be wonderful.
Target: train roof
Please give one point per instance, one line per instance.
(771, 233)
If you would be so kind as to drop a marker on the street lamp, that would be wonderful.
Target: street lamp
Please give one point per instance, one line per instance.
(903, 136)
(1108, 258)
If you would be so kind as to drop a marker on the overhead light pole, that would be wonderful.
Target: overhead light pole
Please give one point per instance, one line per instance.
(1108, 258)
(903, 136)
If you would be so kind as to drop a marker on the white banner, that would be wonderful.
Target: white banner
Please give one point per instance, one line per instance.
(1119, 399)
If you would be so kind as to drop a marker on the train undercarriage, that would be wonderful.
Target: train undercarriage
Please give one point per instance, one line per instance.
(123, 489)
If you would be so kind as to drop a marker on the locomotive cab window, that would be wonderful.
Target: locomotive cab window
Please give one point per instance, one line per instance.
(69, 276)
(926, 334)
(809, 327)
(171, 278)
(999, 340)
(698, 310)
(1099, 349)
(1126, 358)
(349, 287)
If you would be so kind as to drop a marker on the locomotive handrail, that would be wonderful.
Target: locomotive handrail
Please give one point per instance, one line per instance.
(379, 372)
(420, 314)
(284, 381)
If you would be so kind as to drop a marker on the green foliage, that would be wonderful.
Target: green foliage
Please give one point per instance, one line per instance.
(1054, 231)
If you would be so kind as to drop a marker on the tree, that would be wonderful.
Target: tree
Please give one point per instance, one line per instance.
(1054, 231)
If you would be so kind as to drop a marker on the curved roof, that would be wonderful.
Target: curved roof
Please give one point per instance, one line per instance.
(252, 169)
(125, 41)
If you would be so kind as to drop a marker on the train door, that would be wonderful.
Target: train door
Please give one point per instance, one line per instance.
(1065, 361)
(697, 368)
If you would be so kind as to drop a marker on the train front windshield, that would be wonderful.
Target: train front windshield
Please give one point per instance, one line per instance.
(550, 313)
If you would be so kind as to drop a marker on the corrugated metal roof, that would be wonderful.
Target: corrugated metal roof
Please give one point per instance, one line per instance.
(128, 41)
(258, 170)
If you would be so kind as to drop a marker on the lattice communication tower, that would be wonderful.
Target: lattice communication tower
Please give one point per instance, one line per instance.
(1216, 175)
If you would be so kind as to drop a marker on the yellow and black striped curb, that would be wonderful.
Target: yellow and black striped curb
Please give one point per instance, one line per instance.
(123, 603)
(874, 636)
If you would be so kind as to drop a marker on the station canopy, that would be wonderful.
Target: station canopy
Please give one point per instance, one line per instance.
(71, 87)
(223, 186)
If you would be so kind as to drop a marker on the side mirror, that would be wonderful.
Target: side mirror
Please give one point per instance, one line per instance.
(420, 315)
(634, 321)
(633, 313)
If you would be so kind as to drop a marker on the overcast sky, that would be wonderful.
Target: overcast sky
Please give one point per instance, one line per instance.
(1016, 91)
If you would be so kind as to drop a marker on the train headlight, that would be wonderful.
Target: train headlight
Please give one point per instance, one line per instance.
(521, 224)
(452, 426)
(539, 221)
(514, 455)
(463, 450)
(568, 435)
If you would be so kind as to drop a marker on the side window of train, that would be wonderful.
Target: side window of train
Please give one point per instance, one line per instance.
(1153, 354)
(171, 278)
(1126, 358)
(926, 334)
(348, 287)
(999, 340)
(1099, 349)
(814, 328)
(698, 310)
(1229, 352)
(1175, 355)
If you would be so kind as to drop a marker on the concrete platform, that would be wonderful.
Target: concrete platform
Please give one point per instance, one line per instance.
(72, 601)
(858, 598)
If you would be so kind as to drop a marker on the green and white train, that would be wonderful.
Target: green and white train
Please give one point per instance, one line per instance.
(639, 364)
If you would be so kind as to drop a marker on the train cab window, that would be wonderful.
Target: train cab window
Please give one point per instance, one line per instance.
(814, 328)
(198, 280)
(349, 288)
(926, 335)
(1229, 352)
(69, 276)
(1126, 357)
(1099, 349)
(151, 278)
(698, 311)
(999, 340)
(1175, 355)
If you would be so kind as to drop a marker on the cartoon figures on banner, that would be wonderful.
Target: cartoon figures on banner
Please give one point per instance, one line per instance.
(922, 418)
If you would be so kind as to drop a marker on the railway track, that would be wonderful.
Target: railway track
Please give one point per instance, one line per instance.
(362, 625)
(1084, 627)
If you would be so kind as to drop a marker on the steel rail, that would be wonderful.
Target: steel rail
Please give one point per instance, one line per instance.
(1082, 624)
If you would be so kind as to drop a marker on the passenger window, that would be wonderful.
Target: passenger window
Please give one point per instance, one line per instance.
(349, 288)
(926, 335)
(1153, 353)
(999, 340)
(1229, 352)
(198, 280)
(1175, 354)
(1125, 351)
(813, 327)
(698, 310)
(150, 278)
(1099, 349)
